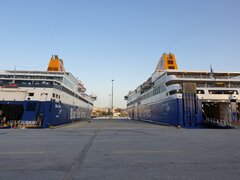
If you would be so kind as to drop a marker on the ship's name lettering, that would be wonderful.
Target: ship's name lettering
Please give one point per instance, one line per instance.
(29, 122)
(58, 106)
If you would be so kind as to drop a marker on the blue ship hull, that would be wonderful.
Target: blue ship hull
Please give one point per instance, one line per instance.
(170, 112)
(43, 114)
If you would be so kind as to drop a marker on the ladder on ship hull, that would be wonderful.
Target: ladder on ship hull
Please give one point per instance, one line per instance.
(190, 109)
(192, 116)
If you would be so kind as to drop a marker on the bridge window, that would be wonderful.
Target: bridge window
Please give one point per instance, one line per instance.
(178, 91)
(223, 92)
(200, 92)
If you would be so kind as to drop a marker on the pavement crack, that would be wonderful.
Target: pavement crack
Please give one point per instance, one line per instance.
(80, 158)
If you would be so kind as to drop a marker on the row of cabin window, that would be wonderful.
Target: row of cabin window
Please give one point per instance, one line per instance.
(68, 92)
(156, 91)
(56, 95)
(6, 82)
(200, 91)
(30, 77)
(75, 95)
(210, 84)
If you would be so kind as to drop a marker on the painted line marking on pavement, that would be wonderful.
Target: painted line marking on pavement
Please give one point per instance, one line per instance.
(145, 152)
(12, 153)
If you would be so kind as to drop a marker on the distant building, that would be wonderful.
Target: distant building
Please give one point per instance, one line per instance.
(106, 111)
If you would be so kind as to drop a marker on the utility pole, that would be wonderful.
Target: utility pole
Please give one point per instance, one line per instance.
(112, 98)
(110, 106)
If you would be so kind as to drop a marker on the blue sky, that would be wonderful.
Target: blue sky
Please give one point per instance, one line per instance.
(120, 40)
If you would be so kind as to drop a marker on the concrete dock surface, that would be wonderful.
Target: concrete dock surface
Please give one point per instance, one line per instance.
(119, 149)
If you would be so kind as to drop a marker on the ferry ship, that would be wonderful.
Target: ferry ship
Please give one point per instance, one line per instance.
(43, 98)
(186, 98)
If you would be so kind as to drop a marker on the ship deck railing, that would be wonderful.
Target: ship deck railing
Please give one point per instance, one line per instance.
(207, 76)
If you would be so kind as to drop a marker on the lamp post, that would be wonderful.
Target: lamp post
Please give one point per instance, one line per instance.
(109, 107)
(112, 98)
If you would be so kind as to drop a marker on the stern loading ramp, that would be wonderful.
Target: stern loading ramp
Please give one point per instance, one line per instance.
(212, 113)
(10, 113)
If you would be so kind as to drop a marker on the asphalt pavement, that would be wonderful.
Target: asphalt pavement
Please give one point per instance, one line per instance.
(119, 149)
